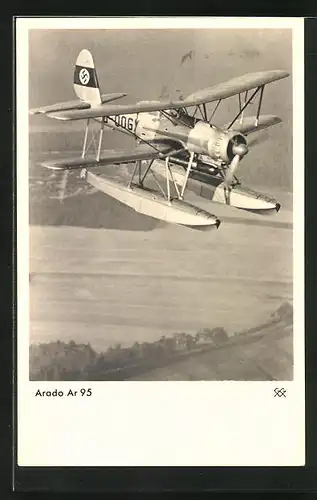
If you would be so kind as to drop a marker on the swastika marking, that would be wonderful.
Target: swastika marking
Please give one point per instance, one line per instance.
(84, 76)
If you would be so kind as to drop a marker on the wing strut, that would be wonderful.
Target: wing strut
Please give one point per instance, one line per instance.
(142, 177)
(205, 112)
(214, 111)
(168, 179)
(240, 105)
(85, 139)
(93, 139)
(190, 162)
(168, 176)
(247, 101)
(173, 180)
(100, 138)
(259, 106)
(137, 166)
(243, 107)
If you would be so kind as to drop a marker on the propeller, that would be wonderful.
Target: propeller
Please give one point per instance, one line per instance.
(238, 146)
(229, 175)
(239, 150)
(259, 139)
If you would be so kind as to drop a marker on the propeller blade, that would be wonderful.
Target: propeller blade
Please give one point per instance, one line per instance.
(229, 175)
(259, 139)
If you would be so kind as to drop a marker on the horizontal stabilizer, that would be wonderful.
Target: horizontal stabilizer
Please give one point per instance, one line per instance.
(250, 125)
(60, 106)
(142, 152)
(74, 105)
(112, 97)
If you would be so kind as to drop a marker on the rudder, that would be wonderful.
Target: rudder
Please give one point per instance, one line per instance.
(86, 84)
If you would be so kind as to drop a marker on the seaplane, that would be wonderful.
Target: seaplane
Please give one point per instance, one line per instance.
(176, 144)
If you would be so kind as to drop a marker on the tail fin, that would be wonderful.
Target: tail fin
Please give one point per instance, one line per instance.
(86, 84)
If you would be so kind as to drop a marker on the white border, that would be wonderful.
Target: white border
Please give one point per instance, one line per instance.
(161, 423)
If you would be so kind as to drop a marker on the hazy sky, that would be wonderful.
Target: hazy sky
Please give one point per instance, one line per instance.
(146, 63)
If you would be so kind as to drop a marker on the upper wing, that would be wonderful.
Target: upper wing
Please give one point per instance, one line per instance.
(249, 125)
(73, 105)
(236, 86)
(156, 149)
(220, 91)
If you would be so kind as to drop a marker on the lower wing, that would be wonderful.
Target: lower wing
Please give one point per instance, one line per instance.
(150, 151)
(252, 124)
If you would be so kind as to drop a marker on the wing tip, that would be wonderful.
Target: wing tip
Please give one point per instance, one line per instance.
(35, 111)
(281, 73)
(275, 73)
(52, 166)
(59, 115)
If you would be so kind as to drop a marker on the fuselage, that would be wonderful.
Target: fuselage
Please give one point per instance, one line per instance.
(202, 179)
(194, 135)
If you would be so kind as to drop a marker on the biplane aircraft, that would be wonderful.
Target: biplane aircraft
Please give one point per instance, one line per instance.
(177, 148)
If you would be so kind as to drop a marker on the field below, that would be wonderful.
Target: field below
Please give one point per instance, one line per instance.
(108, 286)
(103, 274)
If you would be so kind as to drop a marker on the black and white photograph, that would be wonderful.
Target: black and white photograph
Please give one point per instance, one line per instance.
(162, 203)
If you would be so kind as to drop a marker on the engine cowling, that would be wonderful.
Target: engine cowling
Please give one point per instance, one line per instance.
(220, 145)
(226, 145)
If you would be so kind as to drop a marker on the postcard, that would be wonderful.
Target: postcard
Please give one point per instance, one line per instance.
(160, 235)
